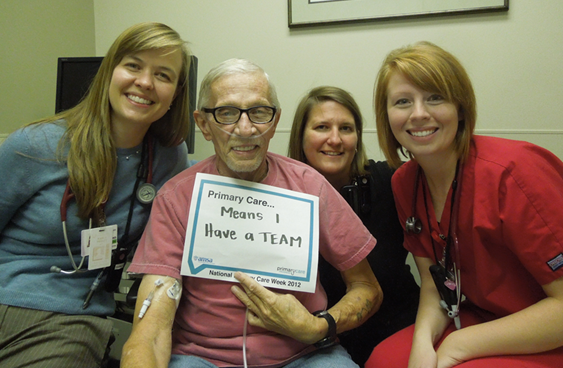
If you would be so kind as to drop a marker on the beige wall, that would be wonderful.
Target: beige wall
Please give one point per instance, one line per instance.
(34, 33)
(514, 58)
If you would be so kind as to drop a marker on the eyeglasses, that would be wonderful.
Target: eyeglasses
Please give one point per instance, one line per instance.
(229, 115)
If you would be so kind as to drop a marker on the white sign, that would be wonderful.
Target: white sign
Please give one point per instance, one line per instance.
(269, 233)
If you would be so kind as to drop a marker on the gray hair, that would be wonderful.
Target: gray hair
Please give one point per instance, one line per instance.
(231, 67)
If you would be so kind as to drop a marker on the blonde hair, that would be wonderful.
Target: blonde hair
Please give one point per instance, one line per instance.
(91, 158)
(313, 98)
(433, 69)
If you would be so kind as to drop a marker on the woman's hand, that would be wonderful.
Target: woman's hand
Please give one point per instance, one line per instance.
(426, 357)
(451, 353)
(423, 356)
(431, 321)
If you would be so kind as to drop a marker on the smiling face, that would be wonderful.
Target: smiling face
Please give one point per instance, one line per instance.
(240, 148)
(423, 122)
(141, 90)
(330, 139)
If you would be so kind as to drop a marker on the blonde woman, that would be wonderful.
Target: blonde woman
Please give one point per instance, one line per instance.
(327, 135)
(98, 165)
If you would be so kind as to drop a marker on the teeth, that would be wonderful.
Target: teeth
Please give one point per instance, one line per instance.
(139, 99)
(244, 148)
(331, 153)
(423, 133)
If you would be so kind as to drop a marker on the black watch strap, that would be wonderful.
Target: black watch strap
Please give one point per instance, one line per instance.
(330, 338)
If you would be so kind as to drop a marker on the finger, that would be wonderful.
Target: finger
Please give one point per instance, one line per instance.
(256, 292)
(245, 300)
(245, 280)
(254, 320)
(241, 295)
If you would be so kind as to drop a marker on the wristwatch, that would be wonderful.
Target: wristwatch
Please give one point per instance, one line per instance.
(330, 338)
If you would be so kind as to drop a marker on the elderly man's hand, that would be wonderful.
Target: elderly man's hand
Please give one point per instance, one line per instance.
(281, 313)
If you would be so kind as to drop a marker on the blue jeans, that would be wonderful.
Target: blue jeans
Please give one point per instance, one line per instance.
(333, 357)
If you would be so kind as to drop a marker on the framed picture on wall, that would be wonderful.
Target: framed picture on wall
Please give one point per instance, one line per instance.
(305, 13)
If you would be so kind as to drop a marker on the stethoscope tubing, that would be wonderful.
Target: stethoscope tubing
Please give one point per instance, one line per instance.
(414, 225)
(143, 171)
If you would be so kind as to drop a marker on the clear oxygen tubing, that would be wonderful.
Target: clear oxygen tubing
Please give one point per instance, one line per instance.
(244, 339)
(254, 138)
(243, 139)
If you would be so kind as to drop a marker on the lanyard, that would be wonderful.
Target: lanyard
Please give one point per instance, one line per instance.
(446, 273)
(451, 237)
(143, 172)
(144, 193)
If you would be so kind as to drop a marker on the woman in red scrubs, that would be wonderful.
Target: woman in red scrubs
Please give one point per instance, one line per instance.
(483, 218)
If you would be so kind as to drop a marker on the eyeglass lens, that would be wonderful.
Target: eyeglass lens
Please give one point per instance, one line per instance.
(257, 115)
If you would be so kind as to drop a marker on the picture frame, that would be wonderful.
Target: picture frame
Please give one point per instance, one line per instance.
(307, 13)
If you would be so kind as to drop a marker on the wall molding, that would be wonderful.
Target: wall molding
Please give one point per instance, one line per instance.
(519, 131)
(550, 139)
(504, 131)
(477, 131)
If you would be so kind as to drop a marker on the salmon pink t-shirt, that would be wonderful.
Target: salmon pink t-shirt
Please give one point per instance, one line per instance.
(210, 319)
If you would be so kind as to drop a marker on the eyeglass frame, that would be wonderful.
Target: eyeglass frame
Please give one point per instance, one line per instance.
(241, 111)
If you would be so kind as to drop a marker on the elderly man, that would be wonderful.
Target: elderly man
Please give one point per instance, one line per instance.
(202, 323)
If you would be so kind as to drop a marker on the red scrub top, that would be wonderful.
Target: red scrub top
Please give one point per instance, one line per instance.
(510, 222)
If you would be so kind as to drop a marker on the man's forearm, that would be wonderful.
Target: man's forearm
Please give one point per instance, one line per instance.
(150, 342)
(362, 299)
(356, 307)
(137, 354)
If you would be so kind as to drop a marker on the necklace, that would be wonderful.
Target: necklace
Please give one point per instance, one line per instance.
(135, 153)
(127, 157)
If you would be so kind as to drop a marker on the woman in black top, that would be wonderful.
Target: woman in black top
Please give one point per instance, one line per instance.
(327, 135)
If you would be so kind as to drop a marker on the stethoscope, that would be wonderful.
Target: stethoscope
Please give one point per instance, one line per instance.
(144, 193)
(446, 272)
(413, 225)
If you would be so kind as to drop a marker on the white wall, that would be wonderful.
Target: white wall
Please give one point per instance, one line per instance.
(512, 57)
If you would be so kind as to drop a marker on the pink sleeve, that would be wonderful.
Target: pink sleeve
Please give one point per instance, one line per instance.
(343, 240)
(162, 244)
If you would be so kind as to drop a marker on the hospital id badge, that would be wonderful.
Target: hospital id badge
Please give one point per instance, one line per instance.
(99, 242)
(85, 246)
